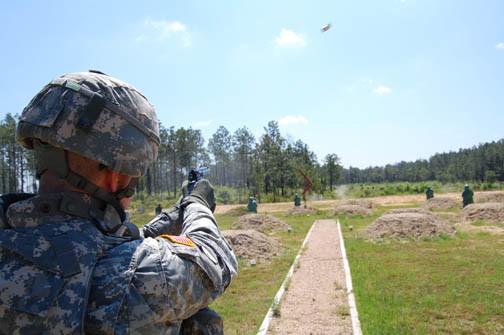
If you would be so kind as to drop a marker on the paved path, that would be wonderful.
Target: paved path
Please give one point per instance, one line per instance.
(316, 300)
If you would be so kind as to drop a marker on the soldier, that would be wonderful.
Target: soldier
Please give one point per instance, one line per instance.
(70, 260)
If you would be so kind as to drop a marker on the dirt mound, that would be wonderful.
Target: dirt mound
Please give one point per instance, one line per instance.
(408, 210)
(350, 210)
(301, 210)
(237, 211)
(260, 222)
(489, 197)
(491, 212)
(366, 203)
(252, 245)
(441, 203)
(416, 224)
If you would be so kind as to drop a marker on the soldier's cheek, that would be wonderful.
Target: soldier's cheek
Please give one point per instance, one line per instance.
(125, 202)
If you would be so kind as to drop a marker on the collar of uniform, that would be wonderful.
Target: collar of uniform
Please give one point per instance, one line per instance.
(35, 211)
(6, 200)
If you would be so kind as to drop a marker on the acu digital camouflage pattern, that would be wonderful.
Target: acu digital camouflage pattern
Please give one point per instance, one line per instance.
(60, 274)
(96, 116)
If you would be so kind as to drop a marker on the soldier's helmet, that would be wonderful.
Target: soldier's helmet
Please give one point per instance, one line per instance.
(96, 116)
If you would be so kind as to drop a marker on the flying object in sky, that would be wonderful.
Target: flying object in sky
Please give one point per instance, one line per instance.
(325, 28)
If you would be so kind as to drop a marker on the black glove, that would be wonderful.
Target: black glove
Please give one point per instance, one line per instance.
(168, 222)
(202, 193)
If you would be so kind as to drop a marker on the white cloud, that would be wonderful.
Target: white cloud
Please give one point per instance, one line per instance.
(382, 90)
(202, 124)
(289, 38)
(292, 119)
(159, 31)
(499, 46)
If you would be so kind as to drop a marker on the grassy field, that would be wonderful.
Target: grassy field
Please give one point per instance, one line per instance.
(433, 286)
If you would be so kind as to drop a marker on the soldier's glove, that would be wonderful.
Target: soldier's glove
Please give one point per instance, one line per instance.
(202, 193)
(168, 222)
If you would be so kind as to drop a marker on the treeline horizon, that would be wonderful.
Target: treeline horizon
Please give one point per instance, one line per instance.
(268, 168)
(481, 163)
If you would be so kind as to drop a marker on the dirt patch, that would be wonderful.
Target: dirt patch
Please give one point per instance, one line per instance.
(407, 223)
(329, 204)
(237, 211)
(489, 197)
(252, 245)
(260, 222)
(350, 210)
(493, 229)
(393, 200)
(440, 203)
(408, 210)
(301, 210)
(366, 203)
(490, 212)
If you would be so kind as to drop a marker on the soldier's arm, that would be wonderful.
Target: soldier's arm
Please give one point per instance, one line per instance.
(168, 222)
(194, 268)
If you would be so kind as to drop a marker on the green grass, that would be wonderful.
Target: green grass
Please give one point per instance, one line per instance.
(395, 188)
(434, 286)
(225, 221)
(481, 223)
(445, 285)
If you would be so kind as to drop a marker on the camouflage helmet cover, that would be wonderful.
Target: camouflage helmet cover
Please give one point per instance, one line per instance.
(95, 116)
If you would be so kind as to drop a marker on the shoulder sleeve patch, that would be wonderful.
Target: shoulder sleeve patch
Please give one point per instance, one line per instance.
(179, 240)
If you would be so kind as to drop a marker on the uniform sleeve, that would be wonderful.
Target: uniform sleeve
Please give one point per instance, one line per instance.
(216, 255)
(178, 275)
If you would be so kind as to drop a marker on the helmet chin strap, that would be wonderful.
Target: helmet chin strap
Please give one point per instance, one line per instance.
(128, 191)
(54, 159)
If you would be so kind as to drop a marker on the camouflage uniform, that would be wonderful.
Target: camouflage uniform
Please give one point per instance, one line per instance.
(71, 262)
(60, 272)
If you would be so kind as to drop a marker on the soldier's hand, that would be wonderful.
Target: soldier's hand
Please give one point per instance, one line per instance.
(202, 193)
(185, 190)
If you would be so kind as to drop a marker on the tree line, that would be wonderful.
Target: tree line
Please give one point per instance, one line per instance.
(268, 168)
(481, 163)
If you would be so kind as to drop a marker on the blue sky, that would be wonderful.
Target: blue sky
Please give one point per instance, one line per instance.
(392, 80)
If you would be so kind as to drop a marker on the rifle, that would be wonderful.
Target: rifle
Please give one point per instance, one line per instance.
(195, 175)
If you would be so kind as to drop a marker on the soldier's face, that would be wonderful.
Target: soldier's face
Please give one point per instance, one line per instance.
(125, 202)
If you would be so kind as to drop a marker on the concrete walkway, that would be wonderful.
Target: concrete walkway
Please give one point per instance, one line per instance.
(317, 296)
